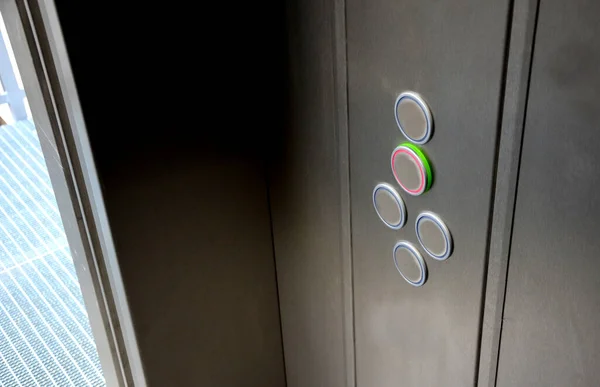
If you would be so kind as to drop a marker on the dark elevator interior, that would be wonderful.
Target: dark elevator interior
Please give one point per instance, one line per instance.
(238, 145)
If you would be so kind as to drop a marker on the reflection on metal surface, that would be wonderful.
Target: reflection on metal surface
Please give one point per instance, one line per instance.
(413, 117)
(410, 263)
(434, 236)
(389, 206)
(411, 169)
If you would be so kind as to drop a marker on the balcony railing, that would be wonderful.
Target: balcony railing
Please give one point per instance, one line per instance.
(11, 87)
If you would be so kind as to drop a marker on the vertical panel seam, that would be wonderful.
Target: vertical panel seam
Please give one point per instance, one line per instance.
(512, 113)
(340, 74)
(501, 103)
(271, 229)
(518, 157)
(267, 171)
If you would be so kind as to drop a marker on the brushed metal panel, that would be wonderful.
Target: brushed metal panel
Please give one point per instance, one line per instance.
(509, 151)
(309, 195)
(452, 54)
(197, 262)
(180, 114)
(550, 333)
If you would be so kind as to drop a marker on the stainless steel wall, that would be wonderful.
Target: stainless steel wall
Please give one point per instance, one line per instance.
(550, 335)
(310, 201)
(453, 54)
(179, 127)
(238, 163)
(516, 303)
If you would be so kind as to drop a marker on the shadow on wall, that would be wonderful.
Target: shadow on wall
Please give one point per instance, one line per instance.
(182, 124)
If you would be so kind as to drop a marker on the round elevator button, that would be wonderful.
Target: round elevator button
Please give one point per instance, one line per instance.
(410, 263)
(434, 235)
(389, 206)
(413, 117)
(411, 169)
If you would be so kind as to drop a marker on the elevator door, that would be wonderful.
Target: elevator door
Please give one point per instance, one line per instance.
(550, 332)
(451, 54)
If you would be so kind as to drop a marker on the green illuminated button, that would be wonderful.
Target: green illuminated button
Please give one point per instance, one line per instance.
(411, 169)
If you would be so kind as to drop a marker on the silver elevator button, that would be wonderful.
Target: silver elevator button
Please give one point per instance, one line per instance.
(410, 263)
(389, 206)
(434, 236)
(413, 117)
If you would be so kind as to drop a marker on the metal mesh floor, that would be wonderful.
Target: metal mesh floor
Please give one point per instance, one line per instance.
(45, 336)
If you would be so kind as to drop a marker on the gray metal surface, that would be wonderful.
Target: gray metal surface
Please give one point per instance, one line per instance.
(200, 276)
(310, 202)
(434, 235)
(185, 185)
(550, 333)
(389, 206)
(409, 263)
(513, 116)
(453, 53)
(414, 117)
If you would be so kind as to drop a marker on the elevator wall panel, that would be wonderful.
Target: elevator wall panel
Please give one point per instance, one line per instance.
(452, 53)
(178, 127)
(550, 331)
(308, 191)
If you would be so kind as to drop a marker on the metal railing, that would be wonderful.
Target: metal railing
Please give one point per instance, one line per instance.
(13, 95)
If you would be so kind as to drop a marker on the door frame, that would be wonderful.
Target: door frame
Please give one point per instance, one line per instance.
(34, 31)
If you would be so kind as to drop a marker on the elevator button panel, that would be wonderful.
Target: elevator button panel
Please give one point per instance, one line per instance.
(413, 173)
(413, 118)
(411, 169)
(433, 235)
(410, 263)
(389, 206)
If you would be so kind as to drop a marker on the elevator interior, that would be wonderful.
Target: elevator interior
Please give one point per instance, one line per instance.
(257, 180)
